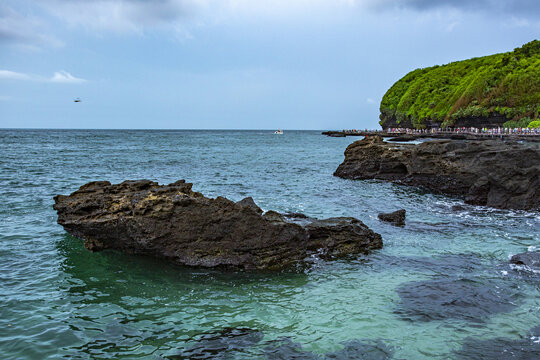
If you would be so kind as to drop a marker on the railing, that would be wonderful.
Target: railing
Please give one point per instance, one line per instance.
(455, 131)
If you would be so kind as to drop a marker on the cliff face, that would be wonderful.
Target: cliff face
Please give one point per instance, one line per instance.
(492, 173)
(490, 91)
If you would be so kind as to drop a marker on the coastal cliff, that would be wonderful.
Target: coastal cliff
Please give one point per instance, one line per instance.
(492, 173)
(176, 223)
(490, 91)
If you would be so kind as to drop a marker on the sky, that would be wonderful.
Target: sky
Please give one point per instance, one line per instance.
(233, 64)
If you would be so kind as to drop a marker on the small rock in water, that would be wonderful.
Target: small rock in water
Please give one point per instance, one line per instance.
(458, 208)
(395, 218)
(529, 259)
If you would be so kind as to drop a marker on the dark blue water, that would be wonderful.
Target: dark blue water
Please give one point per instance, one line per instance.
(440, 288)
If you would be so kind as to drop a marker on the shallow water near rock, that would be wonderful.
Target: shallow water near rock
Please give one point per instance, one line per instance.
(60, 300)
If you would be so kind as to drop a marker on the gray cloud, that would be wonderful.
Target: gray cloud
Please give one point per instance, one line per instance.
(176, 16)
(121, 15)
(22, 30)
(528, 8)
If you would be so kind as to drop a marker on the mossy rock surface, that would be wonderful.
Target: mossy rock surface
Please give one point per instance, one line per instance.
(175, 223)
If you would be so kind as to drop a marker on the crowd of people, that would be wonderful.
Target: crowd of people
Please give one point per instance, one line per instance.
(468, 130)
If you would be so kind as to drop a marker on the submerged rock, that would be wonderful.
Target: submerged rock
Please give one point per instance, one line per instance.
(459, 298)
(223, 344)
(395, 218)
(526, 347)
(174, 222)
(285, 348)
(493, 173)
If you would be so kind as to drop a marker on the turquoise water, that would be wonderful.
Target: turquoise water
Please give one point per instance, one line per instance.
(440, 288)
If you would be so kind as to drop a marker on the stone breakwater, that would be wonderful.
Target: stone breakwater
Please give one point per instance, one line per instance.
(444, 134)
(492, 173)
(174, 222)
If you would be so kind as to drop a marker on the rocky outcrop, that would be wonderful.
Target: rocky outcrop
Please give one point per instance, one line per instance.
(395, 218)
(493, 173)
(174, 222)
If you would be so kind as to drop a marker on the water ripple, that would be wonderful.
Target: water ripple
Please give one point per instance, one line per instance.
(61, 301)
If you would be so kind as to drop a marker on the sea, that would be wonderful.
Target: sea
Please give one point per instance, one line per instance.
(440, 288)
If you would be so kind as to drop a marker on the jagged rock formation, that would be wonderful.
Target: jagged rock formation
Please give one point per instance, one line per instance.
(493, 173)
(174, 222)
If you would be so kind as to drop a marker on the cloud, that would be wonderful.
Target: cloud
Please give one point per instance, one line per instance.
(530, 8)
(179, 16)
(27, 31)
(65, 77)
(122, 15)
(58, 77)
(12, 75)
(125, 16)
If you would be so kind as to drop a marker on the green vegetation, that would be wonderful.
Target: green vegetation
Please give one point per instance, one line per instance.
(534, 124)
(504, 86)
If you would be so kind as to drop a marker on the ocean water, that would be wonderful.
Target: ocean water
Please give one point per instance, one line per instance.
(440, 288)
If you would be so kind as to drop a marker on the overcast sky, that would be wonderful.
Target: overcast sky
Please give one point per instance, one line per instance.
(233, 64)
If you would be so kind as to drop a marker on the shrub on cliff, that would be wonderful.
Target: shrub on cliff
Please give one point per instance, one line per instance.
(534, 124)
(502, 85)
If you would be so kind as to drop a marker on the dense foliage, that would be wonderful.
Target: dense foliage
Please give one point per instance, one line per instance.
(534, 124)
(504, 85)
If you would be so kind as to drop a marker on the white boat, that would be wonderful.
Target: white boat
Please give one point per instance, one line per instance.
(278, 132)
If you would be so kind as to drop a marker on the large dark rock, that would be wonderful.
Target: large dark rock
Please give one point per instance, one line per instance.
(395, 218)
(174, 222)
(493, 173)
